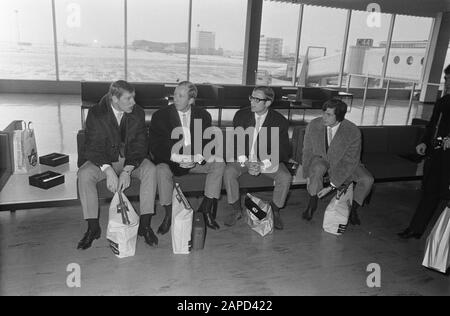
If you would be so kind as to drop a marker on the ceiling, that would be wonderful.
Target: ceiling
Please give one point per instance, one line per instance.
(408, 7)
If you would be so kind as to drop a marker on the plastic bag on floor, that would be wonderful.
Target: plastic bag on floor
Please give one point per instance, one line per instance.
(437, 254)
(336, 216)
(182, 216)
(122, 236)
(259, 215)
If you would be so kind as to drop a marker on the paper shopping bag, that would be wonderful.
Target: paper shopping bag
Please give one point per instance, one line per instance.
(182, 216)
(122, 237)
(437, 254)
(337, 212)
(259, 215)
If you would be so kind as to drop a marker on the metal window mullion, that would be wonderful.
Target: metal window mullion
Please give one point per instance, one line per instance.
(297, 50)
(55, 40)
(189, 41)
(344, 46)
(125, 36)
(388, 47)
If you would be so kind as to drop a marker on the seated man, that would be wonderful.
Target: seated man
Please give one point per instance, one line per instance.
(116, 149)
(184, 115)
(261, 119)
(333, 144)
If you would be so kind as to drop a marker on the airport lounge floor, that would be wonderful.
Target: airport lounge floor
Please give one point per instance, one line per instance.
(38, 245)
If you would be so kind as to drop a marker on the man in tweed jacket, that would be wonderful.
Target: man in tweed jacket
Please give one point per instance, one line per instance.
(333, 144)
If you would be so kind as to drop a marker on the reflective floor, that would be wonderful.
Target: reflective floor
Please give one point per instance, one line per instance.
(36, 246)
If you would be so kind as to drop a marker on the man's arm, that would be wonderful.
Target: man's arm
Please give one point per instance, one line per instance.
(160, 141)
(349, 162)
(307, 152)
(138, 146)
(95, 141)
(431, 127)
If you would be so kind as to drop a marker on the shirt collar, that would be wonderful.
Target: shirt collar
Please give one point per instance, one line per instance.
(263, 117)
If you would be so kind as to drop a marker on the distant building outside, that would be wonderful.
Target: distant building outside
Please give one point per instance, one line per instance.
(206, 43)
(270, 48)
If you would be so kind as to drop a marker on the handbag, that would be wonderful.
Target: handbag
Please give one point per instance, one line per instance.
(337, 212)
(182, 216)
(437, 254)
(122, 227)
(24, 151)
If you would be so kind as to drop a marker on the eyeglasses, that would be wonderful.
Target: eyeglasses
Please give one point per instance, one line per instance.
(252, 98)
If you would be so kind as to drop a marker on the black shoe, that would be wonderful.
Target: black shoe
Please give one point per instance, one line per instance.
(149, 236)
(165, 225)
(407, 234)
(353, 219)
(88, 238)
(210, 221)
(312, 206)
(277, 221)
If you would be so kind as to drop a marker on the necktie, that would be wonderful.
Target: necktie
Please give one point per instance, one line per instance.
(123, 133)
(330, 135)
(253, 156)
(186, 131)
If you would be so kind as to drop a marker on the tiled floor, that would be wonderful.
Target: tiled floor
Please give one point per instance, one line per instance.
(36, 246)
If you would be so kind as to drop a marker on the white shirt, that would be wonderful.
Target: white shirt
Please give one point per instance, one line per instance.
(186, 129)
(334, 130)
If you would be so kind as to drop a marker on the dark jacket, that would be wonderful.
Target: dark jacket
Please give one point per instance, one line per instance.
(162, 124)
(245, 118)
(442, 106)
(103, 135)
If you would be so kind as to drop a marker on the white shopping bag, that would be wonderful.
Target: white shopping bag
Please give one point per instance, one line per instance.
(259, 215)
(24, 150)
(335, 220)
(437, 254)
(182, 216)
(122, 236)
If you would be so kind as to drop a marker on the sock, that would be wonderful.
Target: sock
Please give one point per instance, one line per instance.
(168, 209)
(93, 224)
(145, 220)
(313, 200)
(355, 206)
(274, 207)
(237, 205)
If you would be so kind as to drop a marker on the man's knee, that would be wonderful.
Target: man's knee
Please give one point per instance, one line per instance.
(318, 168)
(87, 173)
(284, 177)
(163, 171)
(230, 173)
(218, 167)
(148, 168)
(366, 180)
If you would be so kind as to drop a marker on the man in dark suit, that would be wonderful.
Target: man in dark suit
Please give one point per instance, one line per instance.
(116, 148)
(262, 153)
(183, 123)
(333, 144)
(436, 179)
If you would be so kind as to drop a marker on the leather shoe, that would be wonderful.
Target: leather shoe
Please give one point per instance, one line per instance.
(277, 221)
(165, 225)
(88, 238)
(353, 219)
(308, 213)
(210, 222)
(232, 219)
(149, 236)
(407, 234)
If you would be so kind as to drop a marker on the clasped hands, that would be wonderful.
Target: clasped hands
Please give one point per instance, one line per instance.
(116, 183)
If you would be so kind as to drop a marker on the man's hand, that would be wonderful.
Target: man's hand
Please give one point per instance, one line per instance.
(421, 149)
(187, 165)
(124, 181)
(111, 179)
(254, 168)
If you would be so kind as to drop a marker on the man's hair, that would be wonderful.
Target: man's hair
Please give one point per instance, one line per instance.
(340, 108)
(192, 89)
(268, 92)
(447, 70)
(117, 88)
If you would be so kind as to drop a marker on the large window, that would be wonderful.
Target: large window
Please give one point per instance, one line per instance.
(217, 41)
(365, 51)
(408, 48)
(26, 40)
(157, 40)
(90, 39)
(278, 42)
(321, 46)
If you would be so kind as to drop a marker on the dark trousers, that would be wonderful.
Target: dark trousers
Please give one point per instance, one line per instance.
(434, 188)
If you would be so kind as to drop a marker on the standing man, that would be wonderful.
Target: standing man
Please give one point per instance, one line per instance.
(184, 115)
(436, 179)
(116, 148)
(257, 117)
(333, 144)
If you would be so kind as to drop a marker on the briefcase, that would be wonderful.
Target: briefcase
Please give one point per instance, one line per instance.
(46, 180)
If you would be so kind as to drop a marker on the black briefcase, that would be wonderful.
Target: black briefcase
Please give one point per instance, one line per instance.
(54, 159)
(46, 180)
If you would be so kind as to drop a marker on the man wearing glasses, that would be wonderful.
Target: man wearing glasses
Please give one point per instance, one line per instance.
(435, 145)
(254, 159)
